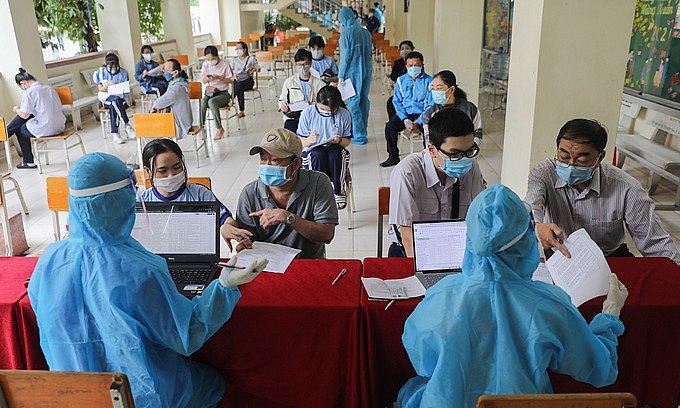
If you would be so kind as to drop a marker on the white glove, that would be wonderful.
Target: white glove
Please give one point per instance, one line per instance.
(231, 277)
(616, 297)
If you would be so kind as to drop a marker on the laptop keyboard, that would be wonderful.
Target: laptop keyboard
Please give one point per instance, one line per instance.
(429, 279)
(185, 275)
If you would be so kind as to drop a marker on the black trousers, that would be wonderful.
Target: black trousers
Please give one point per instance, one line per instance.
(239, 88)
(392, 129)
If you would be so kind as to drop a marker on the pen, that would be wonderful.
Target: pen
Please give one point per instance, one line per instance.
(389, 304)
(230, 266)
(342, 272)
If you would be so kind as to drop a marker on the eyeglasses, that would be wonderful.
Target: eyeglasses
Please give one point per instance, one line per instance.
(459, 154)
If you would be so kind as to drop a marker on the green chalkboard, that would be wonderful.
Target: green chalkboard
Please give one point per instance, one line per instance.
(653, 66)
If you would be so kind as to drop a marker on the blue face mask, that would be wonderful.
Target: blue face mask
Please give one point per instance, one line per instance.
(573, 175)
(273, 176)
(457, 168)
(413, 72)
(439, 97)
(168, 76)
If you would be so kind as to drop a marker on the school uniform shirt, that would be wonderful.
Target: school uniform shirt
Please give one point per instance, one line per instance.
(313, 199)
(188, 192)
(177, 99)
(239, 67)
(147, 82)
(412, 96)
(612, 201)
(102, 74)
(417, 194)
(466, 106)
(221, 69)
(42, 101)
(327, 126)
(321, 65)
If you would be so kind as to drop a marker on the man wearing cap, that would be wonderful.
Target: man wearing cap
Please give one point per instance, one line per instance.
(287, 204)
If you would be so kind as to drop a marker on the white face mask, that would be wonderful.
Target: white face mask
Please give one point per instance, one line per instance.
(147, 57)
(170, 184)
(213, 62)
(317, 54)
(239, 52)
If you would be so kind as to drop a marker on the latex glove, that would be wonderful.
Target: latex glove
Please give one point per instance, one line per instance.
(231, 278)
(616, 297)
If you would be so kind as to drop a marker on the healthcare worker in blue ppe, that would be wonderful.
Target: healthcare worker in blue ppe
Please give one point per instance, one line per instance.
(492, 330)
(104, 303)
(356, 65)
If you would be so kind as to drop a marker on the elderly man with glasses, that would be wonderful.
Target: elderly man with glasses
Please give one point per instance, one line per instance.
(575, 189)
(438, 183)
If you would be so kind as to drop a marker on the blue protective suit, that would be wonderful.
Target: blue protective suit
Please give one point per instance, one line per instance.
(104, 303)
(491, 329)
(356, 64)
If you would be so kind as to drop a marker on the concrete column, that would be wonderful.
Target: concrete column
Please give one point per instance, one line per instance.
(230, 20)
(20, 48)
(177, 26)
(121, 33)
(567, 60)
(210, 19)
(419, 22)
(395, 22)
(458, 28)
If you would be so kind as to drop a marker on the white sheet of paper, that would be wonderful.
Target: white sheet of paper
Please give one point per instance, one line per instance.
(156, 71)
(298, 106)
(583, 276)
(279, 256)
(404, 288)
(119, 88)
(542, 274)
(347, 89)
(314, 73)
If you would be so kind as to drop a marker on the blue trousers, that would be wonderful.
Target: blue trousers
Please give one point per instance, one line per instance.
(117, 106)
(328, 160)
(18, 127)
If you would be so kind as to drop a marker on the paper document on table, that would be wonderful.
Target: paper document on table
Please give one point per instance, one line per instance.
(279, 256)
(119, 89)
(586, 274)
(405, 288)
(298, 106)
(346, 89)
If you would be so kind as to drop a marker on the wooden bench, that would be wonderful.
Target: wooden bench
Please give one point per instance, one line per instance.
(79, 101)
(653, 153)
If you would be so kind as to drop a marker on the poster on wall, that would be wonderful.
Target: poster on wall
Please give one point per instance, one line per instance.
(497, 25)
(653, 65)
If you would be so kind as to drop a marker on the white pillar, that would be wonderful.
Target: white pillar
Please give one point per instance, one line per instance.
(458, 36)
(222, 19)
(20, 48)
(177, 26)
(121, 33)
(210, 19)
(419, 22)
(567, 60)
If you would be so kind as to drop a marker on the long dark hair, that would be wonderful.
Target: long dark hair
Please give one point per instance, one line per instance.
(159, 146)
(449, 78)
(245, 48)
(176, 66)
(23, 76)
(331, 97)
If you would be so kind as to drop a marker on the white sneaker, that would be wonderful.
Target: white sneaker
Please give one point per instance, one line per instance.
(130, 132)
(117, 138)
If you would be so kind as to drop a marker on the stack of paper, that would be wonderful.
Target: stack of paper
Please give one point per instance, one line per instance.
(279, 256)
(405, 288)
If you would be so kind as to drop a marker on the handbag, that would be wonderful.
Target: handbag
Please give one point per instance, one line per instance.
(211, 91)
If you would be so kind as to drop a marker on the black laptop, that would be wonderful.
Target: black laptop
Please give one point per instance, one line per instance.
(187, 235)
(438, 249)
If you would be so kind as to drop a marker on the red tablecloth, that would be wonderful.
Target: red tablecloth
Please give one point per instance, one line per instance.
(649, 360)
(13, 275)
(293, 339)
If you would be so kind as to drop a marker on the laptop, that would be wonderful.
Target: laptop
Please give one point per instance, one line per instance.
(438, 249)
(187, 235)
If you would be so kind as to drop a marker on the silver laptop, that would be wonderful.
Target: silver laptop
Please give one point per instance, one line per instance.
(187, 235)
(438, 249)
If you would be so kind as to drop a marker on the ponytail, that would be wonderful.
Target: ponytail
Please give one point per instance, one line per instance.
(23, 76)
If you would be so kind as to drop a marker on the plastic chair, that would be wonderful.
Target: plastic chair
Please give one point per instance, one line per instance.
(37, 388)
(155, 125)
(230, 106)
(254, 37)
(266, 61)
(57, 201)
(254, 93)
(40, 145)
(10, 166)
(589, 400)
(383, 209)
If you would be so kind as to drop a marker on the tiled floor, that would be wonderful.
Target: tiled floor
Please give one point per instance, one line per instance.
(230, 168)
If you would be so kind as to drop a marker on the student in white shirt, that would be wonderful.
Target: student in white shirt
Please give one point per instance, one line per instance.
(39, 115)
(242, 67)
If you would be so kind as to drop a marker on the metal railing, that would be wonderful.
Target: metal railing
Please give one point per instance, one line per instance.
(320, 11)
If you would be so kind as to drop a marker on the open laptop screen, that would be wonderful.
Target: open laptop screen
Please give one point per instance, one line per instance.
(179, 231)
(438, 246)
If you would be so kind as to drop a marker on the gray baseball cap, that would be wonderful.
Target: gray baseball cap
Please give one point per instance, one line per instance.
(280, 143)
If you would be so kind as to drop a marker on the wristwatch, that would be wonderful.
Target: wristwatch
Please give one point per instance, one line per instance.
(290, 219)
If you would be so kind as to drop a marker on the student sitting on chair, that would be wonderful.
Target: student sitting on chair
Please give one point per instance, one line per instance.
(164, 165)
(39, 115)
(110, 74)
(325, 130)
(243, 66)
(217, 75)
(176, 99)
(299, 88)
(324, 67)
(149, 74)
